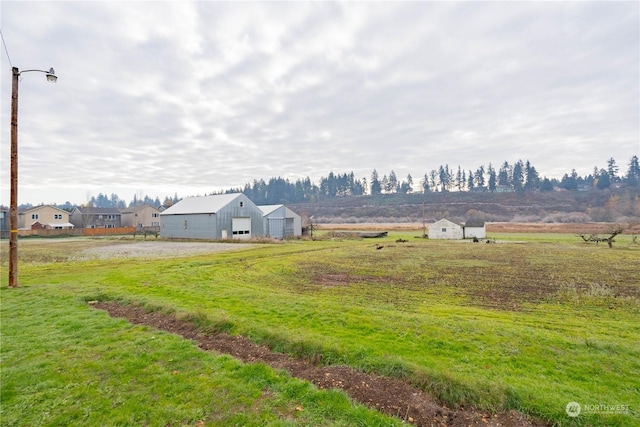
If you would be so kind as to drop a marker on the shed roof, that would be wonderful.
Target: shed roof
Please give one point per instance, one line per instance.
(474, 224)
(200, 205)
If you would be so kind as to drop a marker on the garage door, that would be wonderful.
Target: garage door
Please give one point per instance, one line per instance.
(241, 228)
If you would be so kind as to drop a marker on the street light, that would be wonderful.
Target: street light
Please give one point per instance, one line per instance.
(13, 210)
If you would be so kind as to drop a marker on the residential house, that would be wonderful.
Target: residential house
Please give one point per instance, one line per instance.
(221, 216)
(90, 217)
(141, 216)
(44, 217)
(281, 222)
(4, 223)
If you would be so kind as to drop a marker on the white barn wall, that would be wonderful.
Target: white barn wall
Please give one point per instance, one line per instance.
(445, 229)
(471, 232)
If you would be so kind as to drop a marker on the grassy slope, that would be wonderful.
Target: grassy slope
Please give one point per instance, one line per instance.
(66, 364)
(502, 326)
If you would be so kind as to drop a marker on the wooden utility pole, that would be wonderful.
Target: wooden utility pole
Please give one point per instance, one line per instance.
(13, 209)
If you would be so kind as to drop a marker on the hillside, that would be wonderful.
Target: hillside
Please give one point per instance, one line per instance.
(562, 206)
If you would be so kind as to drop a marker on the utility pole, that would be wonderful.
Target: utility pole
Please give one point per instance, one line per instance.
(13, 209)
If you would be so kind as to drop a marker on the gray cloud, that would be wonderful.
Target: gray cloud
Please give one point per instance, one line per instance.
(191, 97)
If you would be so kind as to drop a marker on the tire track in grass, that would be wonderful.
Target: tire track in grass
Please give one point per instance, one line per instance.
(388, 395)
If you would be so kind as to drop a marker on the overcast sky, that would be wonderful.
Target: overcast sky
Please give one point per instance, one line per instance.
(192, 97)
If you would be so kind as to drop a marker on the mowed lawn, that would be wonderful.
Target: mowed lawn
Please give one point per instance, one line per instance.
(529, 323)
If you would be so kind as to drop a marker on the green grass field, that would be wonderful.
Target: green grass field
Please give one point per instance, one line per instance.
(530, 323)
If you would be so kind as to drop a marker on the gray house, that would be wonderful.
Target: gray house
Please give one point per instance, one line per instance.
(90, 217)
(281, 222)
(221, 216)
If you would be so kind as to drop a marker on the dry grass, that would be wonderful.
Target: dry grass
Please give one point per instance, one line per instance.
(493, 227)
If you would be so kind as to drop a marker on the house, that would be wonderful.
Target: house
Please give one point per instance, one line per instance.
(90, 217)
(280, 222)
(475, 229)
(4, 223)
(445, 229)
(140, 216)
(44, 217)
(221, 216)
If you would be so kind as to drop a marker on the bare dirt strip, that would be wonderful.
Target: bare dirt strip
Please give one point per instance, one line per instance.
(387, 395)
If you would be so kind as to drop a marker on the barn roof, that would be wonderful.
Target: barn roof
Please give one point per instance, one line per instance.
(267, 209)
(200, 205)
(438, 222)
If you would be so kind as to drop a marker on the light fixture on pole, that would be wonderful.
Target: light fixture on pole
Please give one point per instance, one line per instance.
(13, 210)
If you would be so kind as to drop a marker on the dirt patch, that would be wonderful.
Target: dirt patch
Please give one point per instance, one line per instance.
(159, 249)
(388, 395)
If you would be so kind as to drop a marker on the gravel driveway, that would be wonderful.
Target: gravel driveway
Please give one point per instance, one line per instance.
(160, 249)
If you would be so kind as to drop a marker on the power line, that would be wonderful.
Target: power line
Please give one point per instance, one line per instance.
(5, 48)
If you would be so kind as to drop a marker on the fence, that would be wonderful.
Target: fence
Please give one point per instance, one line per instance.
(46, 232)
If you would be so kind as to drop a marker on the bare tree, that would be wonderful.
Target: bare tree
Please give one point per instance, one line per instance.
(614, 230)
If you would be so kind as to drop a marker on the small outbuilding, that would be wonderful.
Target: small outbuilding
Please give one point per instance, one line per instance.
(475, 229)
(281, 222)
(446, 229)
(221, 216)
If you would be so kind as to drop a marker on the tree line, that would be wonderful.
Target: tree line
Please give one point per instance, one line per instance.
(520, 176)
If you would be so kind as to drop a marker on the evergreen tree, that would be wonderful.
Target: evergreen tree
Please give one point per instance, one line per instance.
(570, 182)
(633, 174)
(604, 180)
(384, 183)
(612, 170)
(393, 183)
(425, 184)
(479, 177)
(459, 179)
(532, 178)
(492, 178)
(504, 175)
(444, 178)
(546, 185)
(376, 188)
(470, 184)
(517, 179)
(433, 179)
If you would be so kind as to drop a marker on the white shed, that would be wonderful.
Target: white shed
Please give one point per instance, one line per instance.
(445, 229)
(475, 229)
(281, 222)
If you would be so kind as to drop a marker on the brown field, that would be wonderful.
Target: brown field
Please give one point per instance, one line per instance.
(495, 227)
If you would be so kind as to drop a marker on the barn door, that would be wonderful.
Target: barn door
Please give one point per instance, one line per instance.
(241, 228)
